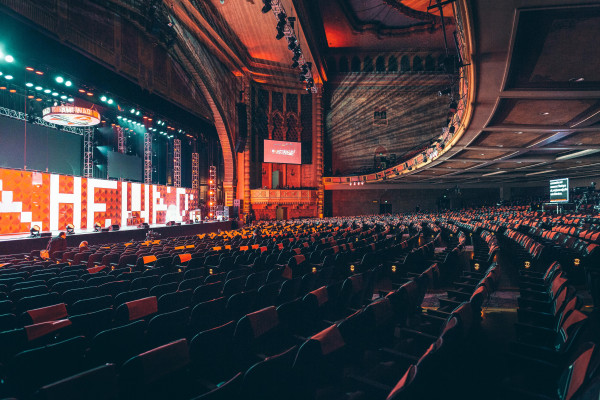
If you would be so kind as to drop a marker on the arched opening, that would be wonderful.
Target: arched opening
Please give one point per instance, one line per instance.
(380, 64)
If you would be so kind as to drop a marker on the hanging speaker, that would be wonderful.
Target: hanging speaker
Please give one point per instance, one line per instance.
(242, 125)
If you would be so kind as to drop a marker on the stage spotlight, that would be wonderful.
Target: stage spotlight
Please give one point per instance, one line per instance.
(97, 227)
(297, 54)
(60, 79)
(70, 229)
(452, 129)
(35, 231)
(267, 6)
(295, 64)
(302, 77)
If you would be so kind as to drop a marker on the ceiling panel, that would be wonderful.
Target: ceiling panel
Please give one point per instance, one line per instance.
(541, 112)
(580, 139)
(481, 155)
(553, 48)
(509, 139)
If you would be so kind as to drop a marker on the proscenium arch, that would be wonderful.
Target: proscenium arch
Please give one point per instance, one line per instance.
(199, 71)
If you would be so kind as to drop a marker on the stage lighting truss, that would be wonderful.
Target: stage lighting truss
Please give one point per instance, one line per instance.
(177, 162)
(284, 26)
(195, 171)
(212, 192)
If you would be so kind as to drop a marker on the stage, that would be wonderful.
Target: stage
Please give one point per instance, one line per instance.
(23, 243)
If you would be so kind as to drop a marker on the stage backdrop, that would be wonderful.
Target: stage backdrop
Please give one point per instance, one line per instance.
(52, 201)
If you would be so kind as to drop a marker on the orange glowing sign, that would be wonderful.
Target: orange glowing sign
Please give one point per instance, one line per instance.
(71, 116)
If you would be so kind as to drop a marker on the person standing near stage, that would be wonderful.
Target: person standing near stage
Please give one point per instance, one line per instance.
(57, 244)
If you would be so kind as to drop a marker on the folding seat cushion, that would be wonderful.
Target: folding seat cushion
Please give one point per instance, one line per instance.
(208, 314)
(175, 301)
(116, 345)
(45, 314)
(84, 306)
(214, 354)
(271, 379)
(31, 369)
(167, 327)
(99, 383)
(92, 323)
(137, 309)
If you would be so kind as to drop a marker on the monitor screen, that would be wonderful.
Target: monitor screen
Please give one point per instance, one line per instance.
(283, 152)
(121, 166)
(559, 190)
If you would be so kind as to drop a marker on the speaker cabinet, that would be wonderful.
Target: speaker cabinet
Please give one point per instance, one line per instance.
(143, 225)
(114, 227)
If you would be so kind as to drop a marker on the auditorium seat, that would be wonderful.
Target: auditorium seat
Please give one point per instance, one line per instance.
(166, 327)
(116, 345)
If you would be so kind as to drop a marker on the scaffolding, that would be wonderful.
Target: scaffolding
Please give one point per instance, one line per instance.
(147, 158)
(177, 163)
(195, 171)
(120, 139)
(212, 192)
(88, 152)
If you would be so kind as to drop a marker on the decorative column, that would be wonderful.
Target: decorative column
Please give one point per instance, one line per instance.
(212, 192)
(248, 150)
(318, 135)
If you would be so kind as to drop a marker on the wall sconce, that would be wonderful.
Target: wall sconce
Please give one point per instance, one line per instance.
(576, 262)
(293, 172)
(352, 268)
(476, 267)
(314, 270)
(264, 171)
(394, 268)
(527, 264)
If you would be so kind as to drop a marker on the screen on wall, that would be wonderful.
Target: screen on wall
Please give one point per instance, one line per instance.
(283, 152)
(559, 190)
(122, 166)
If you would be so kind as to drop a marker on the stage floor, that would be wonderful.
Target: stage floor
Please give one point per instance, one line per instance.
(24, 243)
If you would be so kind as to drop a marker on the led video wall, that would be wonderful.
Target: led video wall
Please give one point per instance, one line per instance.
(53, 201)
